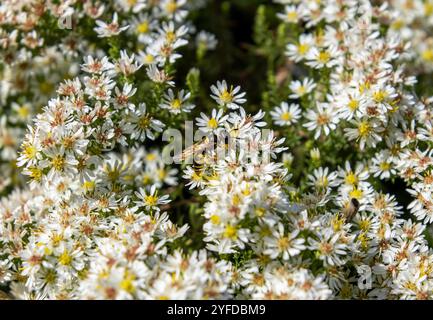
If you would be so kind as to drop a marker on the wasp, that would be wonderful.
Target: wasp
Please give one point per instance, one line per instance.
(213, 141)
(351, 209)
(195, 149)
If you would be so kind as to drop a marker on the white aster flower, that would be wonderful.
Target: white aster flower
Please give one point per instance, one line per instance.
(231, 98)
(285, 115)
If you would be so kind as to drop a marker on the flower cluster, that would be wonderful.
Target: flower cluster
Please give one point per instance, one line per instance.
(413, 21)
(362, 90)
(316, 185)
(43, 43)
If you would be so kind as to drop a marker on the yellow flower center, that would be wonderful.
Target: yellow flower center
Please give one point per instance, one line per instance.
(427, 55)
(286, 116)
(322, 181)
(303, 48)
(236, 200)
(353, 104)
(260, 212)
(397, 24)
(65, 258)
(215, 219)
(162, 174)
(171, 7)
(23, 111)
(364, 240)
(151, 200)
(127, 283)
(428, 9)
(143, 27)
(283, 243)
(226, 96)
(58, 162)
(144, 122)
(337, 223)
(411, 286)
(104, 274)
(292, 16)
(149, 58)
(301, 90)
(364, 128)
(247, 191)
(170, 36)
(56, 239)
(385, 166)
(379, 96)
(212, 123)
(351, 179)
(364, 225)
(356, 193)
(89, 186)
(151, 157)
(35, 174)
(176, 103)
(324, 56)
(231, 232)
(30, 151)
(364, 86)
